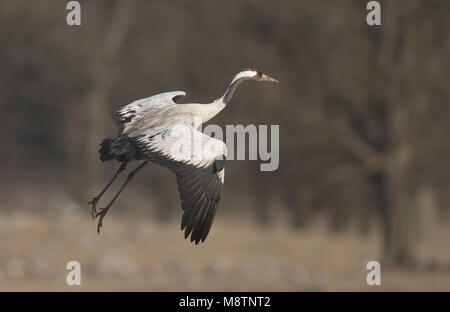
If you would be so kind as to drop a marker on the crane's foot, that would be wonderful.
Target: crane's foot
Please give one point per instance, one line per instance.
(102, 213)
(94, 202)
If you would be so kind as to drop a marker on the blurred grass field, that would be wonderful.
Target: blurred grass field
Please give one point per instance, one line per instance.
(142, 255)
(363, 117)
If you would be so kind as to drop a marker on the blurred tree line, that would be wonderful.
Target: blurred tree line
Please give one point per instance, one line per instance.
(363, 111)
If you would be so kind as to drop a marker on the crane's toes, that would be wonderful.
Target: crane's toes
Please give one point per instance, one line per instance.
(94, 202)
(100, 224)
(101, 214)
(93, 213)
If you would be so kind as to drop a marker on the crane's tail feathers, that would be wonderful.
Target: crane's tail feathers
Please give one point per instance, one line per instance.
(106, 150)
(120, 148)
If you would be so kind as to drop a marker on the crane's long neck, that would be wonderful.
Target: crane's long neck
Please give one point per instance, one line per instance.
(230, 91)
(215, 107)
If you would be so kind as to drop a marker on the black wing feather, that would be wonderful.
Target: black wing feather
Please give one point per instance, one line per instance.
(199, 189)
(199, 200)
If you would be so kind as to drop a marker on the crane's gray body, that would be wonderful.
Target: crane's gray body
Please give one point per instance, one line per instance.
(146, 134)
(145, 128)
(160, 111)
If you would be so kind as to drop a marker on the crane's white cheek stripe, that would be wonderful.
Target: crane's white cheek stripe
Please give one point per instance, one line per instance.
(243, 74)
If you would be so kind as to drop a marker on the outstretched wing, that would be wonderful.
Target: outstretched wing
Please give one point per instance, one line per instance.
(127, 115)
(199, 164)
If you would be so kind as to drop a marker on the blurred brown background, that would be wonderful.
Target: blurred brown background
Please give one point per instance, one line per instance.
(364, 122)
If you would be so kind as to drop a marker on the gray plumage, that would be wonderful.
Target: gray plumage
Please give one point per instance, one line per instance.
(146, 133)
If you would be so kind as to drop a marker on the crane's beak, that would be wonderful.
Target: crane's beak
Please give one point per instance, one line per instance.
(267, 78)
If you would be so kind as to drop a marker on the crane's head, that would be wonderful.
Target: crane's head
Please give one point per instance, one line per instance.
(253, 74)
(246, 74)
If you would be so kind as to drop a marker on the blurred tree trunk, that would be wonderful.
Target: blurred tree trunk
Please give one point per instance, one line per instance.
(399, 222)
(390, 59)
(94, 111)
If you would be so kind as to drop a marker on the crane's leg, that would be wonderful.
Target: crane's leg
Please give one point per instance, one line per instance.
(95, 200)
(104, 211)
